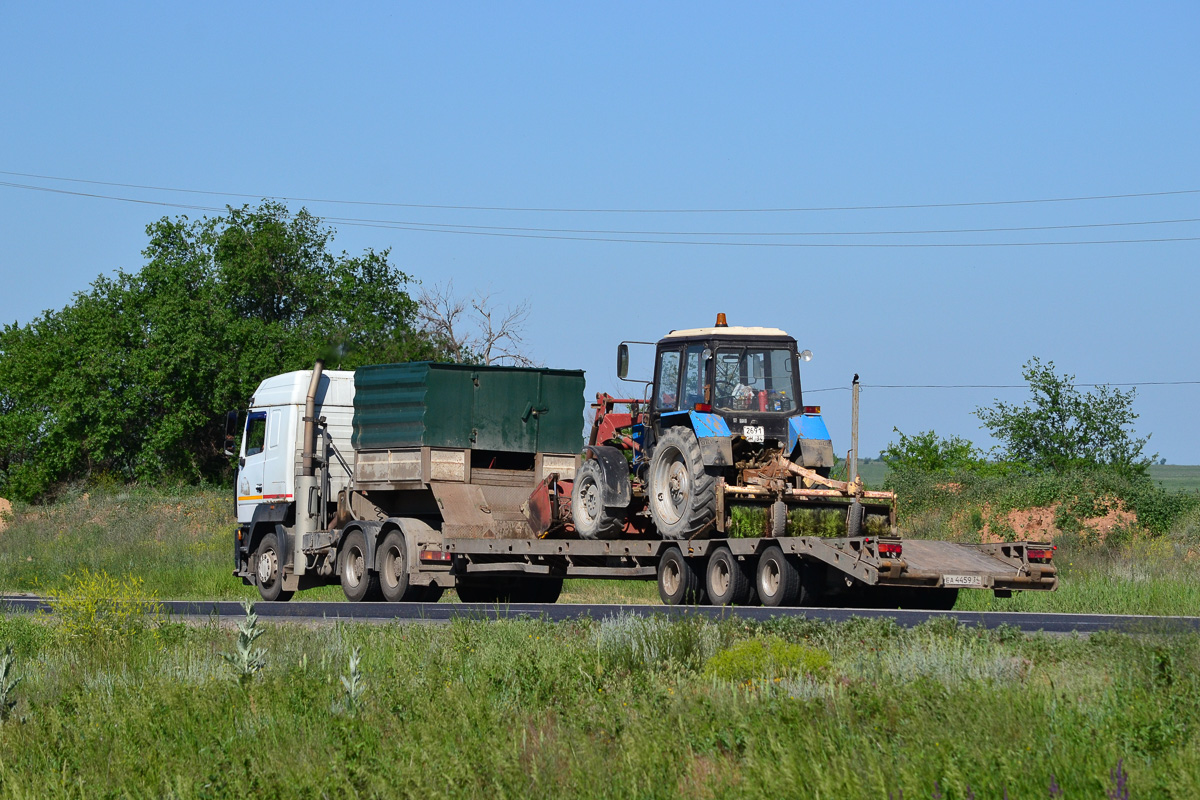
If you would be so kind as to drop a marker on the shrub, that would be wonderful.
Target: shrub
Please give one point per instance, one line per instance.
(769, 657)
(98, 608)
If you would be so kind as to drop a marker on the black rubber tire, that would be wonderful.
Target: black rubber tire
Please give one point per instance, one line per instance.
(854, 519)
(778, 519)
(683, 493)
(508, 589)
(726, 579)
(678, 581)
(935, 599)
(593, 520)
(272, 588)
(430, 594)
(476, 590)
(358, 582)
(777, 579)
(392, 560)
(538, 590)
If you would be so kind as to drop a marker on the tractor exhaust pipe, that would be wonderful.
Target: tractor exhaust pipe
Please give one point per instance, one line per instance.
(308, 490)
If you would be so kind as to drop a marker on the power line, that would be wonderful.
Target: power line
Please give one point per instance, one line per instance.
(541, 209)
(514, 233)
(991, 385)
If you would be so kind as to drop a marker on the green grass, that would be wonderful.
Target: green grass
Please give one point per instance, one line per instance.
(1178, 478)
(623, 708)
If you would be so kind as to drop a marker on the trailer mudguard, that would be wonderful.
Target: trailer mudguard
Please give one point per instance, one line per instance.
(809, 442)
(614, 468)
(712, 432)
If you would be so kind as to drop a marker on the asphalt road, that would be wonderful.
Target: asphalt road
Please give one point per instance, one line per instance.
(303, 611)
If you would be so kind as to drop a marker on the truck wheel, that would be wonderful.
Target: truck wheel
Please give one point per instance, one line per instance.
(392, 558)
(678, 582)
(358, 582)
(777, 579)
(430, 594)
(476, 590)
(266, 574)
(537, 590)
(726, 579)
(588, 512)
(683, 494)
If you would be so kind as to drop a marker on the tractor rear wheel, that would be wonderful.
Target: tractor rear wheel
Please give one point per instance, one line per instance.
(683, 494)
(591, 517)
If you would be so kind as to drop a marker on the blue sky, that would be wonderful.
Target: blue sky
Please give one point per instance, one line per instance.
(666, 106)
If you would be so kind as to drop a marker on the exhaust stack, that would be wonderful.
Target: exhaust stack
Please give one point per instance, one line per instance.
(307, 487)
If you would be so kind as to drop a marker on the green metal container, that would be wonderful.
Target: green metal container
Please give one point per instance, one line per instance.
(509, 409)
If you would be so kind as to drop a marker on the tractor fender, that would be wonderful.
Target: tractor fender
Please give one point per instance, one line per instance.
(712, 433)
(618, 493)
(371, 532)
(809, 444)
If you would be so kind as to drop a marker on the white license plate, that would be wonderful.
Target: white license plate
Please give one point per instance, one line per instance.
(962, 580)
(754, 433)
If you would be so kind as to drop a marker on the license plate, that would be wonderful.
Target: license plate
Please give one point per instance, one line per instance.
(962, 580)
(754, 433)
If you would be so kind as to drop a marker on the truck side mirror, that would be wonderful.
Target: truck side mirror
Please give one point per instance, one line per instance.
(622, 361)
(230, 426)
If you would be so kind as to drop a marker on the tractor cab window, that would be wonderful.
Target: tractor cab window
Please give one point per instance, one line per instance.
(754, 379)
(256, 432)
(667, 398)
(694, 377)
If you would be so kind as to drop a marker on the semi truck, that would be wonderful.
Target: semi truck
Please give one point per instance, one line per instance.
(399, 481)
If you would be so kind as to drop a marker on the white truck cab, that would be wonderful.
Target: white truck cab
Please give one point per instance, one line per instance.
(271, 441)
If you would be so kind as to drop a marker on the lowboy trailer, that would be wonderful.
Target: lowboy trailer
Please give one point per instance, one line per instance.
(400, 481)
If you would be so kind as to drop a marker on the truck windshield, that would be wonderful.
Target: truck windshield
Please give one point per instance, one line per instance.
(754, 379)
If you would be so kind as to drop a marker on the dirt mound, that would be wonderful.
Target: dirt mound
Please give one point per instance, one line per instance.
(5, 513)
(1037, 524)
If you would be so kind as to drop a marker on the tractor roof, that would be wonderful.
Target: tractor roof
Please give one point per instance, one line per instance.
(726, 331)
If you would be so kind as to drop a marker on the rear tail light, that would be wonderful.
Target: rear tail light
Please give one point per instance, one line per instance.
(705, 407)
(812, 409)
(1040, 553)
(435, 556)
(891, 549)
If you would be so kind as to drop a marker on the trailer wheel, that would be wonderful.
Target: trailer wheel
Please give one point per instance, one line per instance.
(588, 512)
(726, 579)
(678, 581)
(358, 582)
(266, 572)
(430, 594)
(683, 494)
(392, 558)
(538, 590)
(777, 579)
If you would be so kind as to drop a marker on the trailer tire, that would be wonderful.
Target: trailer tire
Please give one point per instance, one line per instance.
(392, 558)
(726, 580)
(266, 559)
(777, 579)
(538, 590)
(678, 581)
(683, 493)
(591, 517)
(359, 582)
(430, 594)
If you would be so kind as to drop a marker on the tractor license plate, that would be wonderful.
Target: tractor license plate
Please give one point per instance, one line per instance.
(962, 580)
(754, 433)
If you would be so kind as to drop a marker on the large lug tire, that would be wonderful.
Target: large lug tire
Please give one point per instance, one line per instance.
(267, 575)
(392, 558)
(678, 581)
(683, 494)
(726, 579)
(854, 519)
(358, 582)
(777, 579)
(592, 518)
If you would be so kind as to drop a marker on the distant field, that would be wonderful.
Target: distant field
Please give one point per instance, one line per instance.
(1175, 477)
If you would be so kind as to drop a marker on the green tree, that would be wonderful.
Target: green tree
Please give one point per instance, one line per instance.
(134, 376)
(1062, 428)
(928, 452)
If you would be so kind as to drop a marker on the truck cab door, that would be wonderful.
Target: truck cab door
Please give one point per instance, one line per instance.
(251, 465)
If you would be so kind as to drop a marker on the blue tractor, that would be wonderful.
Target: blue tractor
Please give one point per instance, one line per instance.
(722, 426)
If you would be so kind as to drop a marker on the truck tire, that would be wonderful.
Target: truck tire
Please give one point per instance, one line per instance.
(726, 579)
(683, 493)
(538, 590)
(392, 558)
(430, 594)
(359, 583)
(592, 519)
(777, 579)
(678, 581)
(476, 590)
(266, 571)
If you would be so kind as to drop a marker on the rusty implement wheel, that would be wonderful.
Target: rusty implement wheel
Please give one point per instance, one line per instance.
(683, 494)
